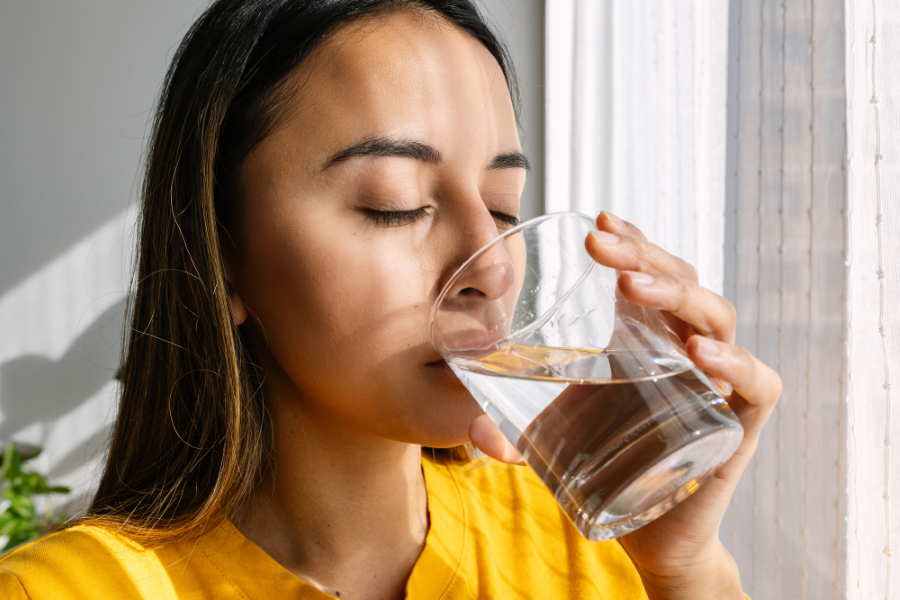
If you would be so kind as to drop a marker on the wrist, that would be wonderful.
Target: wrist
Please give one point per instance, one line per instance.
(714, 576)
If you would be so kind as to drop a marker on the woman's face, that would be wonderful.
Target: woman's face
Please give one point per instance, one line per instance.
(398, 157)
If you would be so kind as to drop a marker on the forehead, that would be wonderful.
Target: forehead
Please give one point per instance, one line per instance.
(405, 74)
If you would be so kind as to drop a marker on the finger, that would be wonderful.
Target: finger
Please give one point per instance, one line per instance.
(487, 438)
(622, 246)
(709, 314)
(757, 387)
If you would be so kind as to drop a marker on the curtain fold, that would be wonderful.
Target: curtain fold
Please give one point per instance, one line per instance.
(635, 120)
(785, 200)
(872, 295)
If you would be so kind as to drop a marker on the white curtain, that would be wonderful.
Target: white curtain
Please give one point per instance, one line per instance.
(790, 206)
(786, 196)
(872, 291)
(636, 115)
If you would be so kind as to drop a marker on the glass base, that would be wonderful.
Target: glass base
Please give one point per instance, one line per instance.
(662, 486)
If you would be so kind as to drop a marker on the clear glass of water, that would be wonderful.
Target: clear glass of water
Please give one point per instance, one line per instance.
(597, 393)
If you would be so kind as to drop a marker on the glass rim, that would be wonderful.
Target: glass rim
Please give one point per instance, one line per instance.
(478, 253)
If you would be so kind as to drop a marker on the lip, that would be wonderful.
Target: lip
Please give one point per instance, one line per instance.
(441, 366)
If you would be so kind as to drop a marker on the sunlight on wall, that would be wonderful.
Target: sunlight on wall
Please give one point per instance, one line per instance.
(59, 349)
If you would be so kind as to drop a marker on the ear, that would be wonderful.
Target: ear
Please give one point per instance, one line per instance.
(238, 310)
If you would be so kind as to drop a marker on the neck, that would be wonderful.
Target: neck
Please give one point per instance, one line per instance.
(339, 510)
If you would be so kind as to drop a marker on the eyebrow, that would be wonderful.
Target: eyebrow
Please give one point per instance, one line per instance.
(378, 147)
(510, 160)
(384, 147)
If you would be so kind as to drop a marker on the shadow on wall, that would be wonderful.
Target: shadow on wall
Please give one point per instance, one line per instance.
(35, 389)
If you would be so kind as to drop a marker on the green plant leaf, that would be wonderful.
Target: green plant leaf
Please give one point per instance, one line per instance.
(20, 522)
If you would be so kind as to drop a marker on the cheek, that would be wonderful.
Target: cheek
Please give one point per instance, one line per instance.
(342, 311)
(375, 296)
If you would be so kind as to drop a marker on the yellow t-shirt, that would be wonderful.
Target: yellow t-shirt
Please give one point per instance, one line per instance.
(495, 532)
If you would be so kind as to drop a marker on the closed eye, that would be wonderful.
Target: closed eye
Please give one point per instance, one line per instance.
(505, 219)
(395, 218)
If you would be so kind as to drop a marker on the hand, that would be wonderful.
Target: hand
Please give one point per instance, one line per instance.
(679, 555)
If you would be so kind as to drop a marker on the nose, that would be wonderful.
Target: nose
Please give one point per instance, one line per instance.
(477, 309)
(491, 274)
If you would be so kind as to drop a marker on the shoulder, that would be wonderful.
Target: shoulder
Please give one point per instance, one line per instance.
(79, 544)
(81, 562)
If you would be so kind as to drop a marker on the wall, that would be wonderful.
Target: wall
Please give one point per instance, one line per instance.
(521, 22)
(79, 80)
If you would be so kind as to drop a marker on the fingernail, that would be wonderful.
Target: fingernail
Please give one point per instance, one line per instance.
(708, 347)
(604, 237)
(641, 279)
(614, 219)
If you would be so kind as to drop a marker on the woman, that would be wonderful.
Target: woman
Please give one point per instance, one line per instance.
(317, 171)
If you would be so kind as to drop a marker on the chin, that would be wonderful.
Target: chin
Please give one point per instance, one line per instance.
(446, 425)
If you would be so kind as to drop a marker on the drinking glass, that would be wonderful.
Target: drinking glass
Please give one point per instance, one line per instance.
(597, 393)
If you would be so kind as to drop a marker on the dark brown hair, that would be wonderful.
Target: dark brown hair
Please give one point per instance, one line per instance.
(192, 435)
